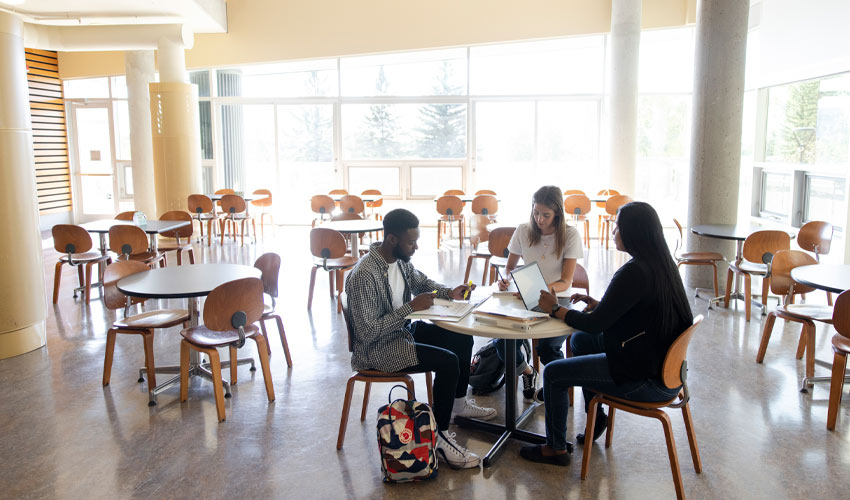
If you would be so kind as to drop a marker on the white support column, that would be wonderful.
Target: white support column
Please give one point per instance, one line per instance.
(23, 307)
(140, 69)
(719, 63)
(625, 55)
(172, 60)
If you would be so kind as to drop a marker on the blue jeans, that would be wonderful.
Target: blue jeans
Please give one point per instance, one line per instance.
(588, 368)
(548, 349)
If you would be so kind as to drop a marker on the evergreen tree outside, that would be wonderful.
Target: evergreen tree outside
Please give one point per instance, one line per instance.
(314, 142)
(443, 129)
(378, 140)
(800, 128)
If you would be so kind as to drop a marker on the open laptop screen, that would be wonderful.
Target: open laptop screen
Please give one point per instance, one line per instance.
(529, 281)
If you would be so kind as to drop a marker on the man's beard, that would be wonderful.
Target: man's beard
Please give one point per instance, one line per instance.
(398, 255)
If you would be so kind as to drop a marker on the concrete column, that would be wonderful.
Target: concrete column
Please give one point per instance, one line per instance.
(140, 69)
(721, 47)
(625, 55)
(172, 60)
(23, 306)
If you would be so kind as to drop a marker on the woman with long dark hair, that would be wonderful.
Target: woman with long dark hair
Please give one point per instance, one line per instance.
(622, 339)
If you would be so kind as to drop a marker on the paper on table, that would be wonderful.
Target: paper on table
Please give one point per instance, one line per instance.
(447, 309)
(496, 309)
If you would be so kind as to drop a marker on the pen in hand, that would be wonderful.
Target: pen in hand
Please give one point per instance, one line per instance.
(468, 288)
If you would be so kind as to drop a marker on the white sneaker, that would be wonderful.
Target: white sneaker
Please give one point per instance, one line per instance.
(471, 410)
(454, 454)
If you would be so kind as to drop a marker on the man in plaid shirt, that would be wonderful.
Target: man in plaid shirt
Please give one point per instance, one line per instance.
(382, 290)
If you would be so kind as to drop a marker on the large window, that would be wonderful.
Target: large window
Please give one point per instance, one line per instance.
(824, 199)
(435, 72)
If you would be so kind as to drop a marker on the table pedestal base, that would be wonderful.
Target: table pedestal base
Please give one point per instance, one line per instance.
(196, 369)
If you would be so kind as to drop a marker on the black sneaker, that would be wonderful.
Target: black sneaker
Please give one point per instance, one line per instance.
(529, 385)
(598, 427)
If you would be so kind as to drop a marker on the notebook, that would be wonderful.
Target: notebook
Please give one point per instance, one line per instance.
(529, 281)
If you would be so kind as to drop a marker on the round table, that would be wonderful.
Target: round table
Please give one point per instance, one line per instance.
(468, 326)
(190, 282)
(357, 226)
(833, 278)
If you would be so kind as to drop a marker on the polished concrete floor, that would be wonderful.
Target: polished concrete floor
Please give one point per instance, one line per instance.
(63, 435)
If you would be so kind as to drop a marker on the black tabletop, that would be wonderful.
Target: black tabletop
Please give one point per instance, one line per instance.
(151, 227)
(833, 278)
(195, 280)
(737, 232)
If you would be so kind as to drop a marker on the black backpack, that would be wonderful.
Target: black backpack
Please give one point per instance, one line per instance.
(487, 371)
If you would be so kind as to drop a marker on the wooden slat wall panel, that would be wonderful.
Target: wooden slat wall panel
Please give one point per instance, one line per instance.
(50, 145)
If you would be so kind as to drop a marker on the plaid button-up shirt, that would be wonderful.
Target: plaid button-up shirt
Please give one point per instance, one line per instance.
(382, 339)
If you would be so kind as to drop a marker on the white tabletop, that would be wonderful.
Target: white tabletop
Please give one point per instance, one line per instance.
(468, 326)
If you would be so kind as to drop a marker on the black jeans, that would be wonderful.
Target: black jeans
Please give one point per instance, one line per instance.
(447, 354)
(547, 349)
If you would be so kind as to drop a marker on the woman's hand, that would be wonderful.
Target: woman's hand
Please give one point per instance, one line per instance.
(503, 285)
(546, 301)
(587, 299)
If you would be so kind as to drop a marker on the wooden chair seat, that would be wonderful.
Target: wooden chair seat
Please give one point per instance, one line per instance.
(641, 405)
(147, 257)
(162, 318)
(701, 256)
(816, 312)
(91, 256)
(750, 268)
(338, 263)
(204, 337)
(841, 343)
(380, 374)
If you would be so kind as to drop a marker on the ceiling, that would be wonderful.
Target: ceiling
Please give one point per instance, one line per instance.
(201, 16)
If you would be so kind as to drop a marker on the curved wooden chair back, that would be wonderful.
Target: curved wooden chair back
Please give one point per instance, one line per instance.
(322, 204)
(485, 191)
(605, 192)
(674, 367)
(223, 192)
(351, 204)
(200, 204)
(269, 266)
(327, 243)
(449, 205)
(233, 204)
(112, 296)
(68, 238)
(346, 216)
(127, 240)
(454, 192)
(181, 232)
(576, 204)
(761, 246)
(580, 279)
(615, 202)
(126, 215)
(234, 304)
(780, 271)
(264, 198)
(499, 239)
(680, 238)
(485, 204)
(478, 229)
(337, 191)
(841, 314)
(568, 192)
(373, 192)
(815, 236)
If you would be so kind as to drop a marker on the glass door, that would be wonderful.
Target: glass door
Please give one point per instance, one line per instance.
(95, 165)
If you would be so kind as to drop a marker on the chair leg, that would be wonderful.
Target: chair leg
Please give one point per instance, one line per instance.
(346, 406)
(609, 433)
(810, 349)
(728, 291)
(331, 274)
(486, 267)
(430, 388)
(671, 452)
(265, 335)
(692, 437)
(588, 432)
(829, 298)
(765, 337)
(535, 357)
(147, 338)
(179, 253)
(262, 350)
(107, 358)
(184, 371)
(88, 282)
(366, 392)
(218, 389)
(312, 285)
(716, 288)
(836, 386)
(339, 285)
(748, 295)
(283, 340)
(468, 268)
(801, 344)
(234, 357)
(765, 288)
(191, 256)
(57, 278)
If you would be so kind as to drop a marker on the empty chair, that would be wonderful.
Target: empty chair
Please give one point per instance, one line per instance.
(369, 377)
(478, 234)
(498, 247)
(323, 205)
(485, 191)
(450, 209)
(611, 206)
(816, 237)
(178, 240)
(230, 312)
(74, 243)
(577, 206)
(269, 266)
(485, 204)
(131, 243)
(236, 211)
(352, 204)
(782, 284)
(142, 324)
(759, 249)
(128, 215)
(568, 192)
(337, 192)
(696, 258)
(263, 200)
(604, 193)
(222, 192)
(673, 374)
(202, 210)
(840, 348)
(329, 253)
(372, 205)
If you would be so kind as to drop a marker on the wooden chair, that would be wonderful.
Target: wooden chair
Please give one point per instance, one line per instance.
(131, 243)
(126, 215)
(783, 285)
(235, 210)
(478, 233)
(485, 191)
(673, 374)
(263, 200)
(329, 253)
(218, 203)
(173, 243)
(568, 192)
(816, 237)
(372, 205)
(74, 243)
(578, 206)
(337, 192)
(696, 258)
(269, 266)
(230, 313)
(351, 216)
(202, 209)
(601, 205)
(485, 204)
(498, 247)
(611, 206)
(840, 347)
(759, 249)
(450, 209)
(322, 205)
(352, 204)
(369, 377)
(142, 324)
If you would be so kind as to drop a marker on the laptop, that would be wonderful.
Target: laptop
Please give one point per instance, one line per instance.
(529, 281)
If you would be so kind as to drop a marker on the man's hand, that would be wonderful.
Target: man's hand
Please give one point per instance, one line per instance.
(546, 301)
(422, 302)
(587, 299)
(459, 291)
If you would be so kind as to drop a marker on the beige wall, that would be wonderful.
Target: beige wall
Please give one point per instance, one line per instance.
(275, 30)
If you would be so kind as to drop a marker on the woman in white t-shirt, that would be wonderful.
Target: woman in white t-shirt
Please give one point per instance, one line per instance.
(547, 240)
